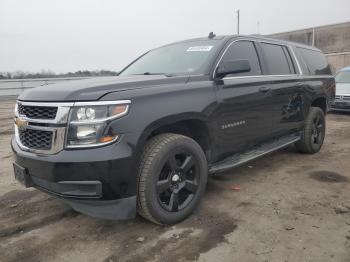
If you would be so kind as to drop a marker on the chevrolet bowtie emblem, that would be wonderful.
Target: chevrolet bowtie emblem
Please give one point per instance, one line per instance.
(21, 124)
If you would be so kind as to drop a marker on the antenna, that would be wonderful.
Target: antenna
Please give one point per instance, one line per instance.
(238, 22)
(211, 35)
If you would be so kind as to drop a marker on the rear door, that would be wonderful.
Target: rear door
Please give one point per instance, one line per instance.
(317, 75)
(244, 106)
(286, 89)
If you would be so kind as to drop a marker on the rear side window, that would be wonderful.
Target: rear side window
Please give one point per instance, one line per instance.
(302, 63)
(243, 50)
(276, 59)
(316, 62)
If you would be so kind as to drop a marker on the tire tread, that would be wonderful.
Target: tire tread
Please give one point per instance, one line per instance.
(151, 150)
(304, 144)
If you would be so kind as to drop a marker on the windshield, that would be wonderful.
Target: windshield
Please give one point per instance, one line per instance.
(183, 58)
(343, 77)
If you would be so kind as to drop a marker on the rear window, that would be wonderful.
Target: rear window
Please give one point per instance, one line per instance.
(316, 62)
(276, 60)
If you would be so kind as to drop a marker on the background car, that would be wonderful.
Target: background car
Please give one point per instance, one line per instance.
(342, 97)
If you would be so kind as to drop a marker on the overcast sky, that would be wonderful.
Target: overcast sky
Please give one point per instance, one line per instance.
(70, 35)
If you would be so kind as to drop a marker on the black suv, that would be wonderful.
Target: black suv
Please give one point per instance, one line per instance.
(147, 139)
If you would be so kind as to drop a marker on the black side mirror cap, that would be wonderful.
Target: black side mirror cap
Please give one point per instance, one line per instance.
(233, 67)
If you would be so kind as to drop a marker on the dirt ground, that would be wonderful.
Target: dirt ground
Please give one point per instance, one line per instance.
(289, 207)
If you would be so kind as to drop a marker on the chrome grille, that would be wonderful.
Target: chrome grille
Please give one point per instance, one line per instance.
(347, 98)
(40, 127)
(36, 139)
(37, 112)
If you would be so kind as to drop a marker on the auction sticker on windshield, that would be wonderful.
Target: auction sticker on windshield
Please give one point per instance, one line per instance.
(200, 48)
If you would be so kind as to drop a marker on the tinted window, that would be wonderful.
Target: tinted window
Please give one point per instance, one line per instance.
(315, 61)
(275, 59)
(243, 50)
(302, 63)
(290, 62)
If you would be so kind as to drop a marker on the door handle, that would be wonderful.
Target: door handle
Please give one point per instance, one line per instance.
(264, 89)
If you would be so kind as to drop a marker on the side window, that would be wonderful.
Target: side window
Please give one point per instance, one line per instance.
(243, 50)
(315, 61)
(304, 68)
(290, 62)
(276, 60)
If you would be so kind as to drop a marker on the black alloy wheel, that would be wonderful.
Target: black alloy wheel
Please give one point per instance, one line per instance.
(178, 181)
(314, 132)
(172, 178)
(318, 130)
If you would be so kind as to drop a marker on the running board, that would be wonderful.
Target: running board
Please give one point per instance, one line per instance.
(258, 151)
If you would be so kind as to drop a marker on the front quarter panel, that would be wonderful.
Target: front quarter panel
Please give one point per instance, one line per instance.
(166, 104)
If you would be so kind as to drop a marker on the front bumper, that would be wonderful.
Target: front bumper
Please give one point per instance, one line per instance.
(83, 196)
(100, 182)
(340, 105)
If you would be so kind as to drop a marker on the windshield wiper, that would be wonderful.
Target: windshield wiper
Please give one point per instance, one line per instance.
(151, 73)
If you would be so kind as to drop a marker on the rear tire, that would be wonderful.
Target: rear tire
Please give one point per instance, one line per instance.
(314, 132)
(172, 178)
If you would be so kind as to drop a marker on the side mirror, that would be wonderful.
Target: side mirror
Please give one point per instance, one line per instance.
(233, 67)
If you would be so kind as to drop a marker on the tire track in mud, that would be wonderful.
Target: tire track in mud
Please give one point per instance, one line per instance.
(25, 210)
(201, 232)
(66, 234)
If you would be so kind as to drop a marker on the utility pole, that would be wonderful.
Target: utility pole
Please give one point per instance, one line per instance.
(238, 22)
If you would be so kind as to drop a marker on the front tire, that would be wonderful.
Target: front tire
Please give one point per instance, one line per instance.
(314, 132)
(172, 178)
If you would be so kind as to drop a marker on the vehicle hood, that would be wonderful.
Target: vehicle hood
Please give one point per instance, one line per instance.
(94, 88)
(342, 89)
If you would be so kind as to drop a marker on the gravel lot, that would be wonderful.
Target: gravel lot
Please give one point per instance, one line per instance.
(283, 207)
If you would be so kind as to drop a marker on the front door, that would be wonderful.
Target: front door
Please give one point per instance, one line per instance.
(244, 112)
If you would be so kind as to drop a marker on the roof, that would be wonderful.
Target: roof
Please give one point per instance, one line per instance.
(225, 38)
(263, 38)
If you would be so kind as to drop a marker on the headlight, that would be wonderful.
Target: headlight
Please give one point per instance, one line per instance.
(89, 121)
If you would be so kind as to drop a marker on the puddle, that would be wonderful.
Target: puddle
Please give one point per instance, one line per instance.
(328, 176)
